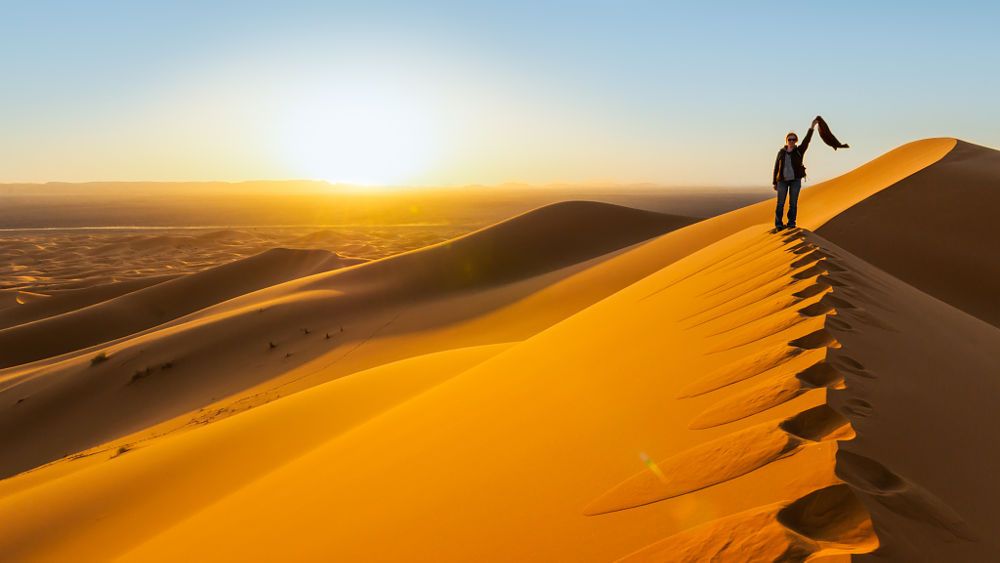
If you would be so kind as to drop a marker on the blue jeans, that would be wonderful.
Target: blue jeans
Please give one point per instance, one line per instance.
(791, 188)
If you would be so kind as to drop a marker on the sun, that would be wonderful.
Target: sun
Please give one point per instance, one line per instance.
(365, 136)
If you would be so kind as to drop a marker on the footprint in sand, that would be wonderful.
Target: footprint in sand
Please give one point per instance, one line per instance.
(849, 365)
(858, 407)
(812, 290)
(900, 495)
(741, 369)
(839, 324)
(816, 339)
(771, 393)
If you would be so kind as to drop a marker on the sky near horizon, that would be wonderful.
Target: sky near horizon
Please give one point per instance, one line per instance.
(453, 93)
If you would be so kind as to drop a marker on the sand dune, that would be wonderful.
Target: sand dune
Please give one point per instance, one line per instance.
(539, 391)
(154, 305)
(295, 330)
(935, 231)
(70, 300)
(536, 242)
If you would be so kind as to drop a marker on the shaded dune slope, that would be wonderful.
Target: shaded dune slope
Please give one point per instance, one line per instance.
(920, 388)
(936, 230)
(10, 298)
(72, 299)
(162, 302)
(539, 241)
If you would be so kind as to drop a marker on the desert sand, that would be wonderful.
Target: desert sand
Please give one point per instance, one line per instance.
(580, 382)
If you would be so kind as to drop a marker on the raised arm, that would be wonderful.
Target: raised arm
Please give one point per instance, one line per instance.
(805, 140)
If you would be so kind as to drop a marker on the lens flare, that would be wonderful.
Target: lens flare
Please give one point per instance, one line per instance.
(652, 466)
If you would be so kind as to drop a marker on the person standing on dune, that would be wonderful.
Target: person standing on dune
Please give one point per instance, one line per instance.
(788, 174)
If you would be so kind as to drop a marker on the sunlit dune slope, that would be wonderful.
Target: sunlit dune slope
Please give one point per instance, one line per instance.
(333, 408)
(526, 443)
(720, 392)
(292, 335)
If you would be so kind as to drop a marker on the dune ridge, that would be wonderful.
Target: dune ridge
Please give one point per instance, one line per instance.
(935, 230)
(778, 531)
(847, 522)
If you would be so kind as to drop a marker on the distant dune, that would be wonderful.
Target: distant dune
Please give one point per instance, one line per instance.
(541, 240)
(50, 262)
(70, 300)
(581, 382)
(150, 306)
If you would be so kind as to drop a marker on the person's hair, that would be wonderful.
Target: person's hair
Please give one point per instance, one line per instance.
(789, 134)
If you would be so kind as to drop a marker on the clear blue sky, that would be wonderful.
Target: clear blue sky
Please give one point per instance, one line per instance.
(460, 92)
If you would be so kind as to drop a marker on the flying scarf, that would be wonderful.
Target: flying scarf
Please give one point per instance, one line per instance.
(827, 136)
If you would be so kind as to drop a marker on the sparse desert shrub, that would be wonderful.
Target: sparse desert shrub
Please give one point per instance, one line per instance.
(102, 357)
(140, 373)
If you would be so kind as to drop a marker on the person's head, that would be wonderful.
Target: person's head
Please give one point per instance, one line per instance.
(790, 139)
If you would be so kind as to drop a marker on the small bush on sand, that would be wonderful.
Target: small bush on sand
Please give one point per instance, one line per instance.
(140, 373)
(102, 357)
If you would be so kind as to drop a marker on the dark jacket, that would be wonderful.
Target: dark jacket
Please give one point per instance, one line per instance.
(796, 154)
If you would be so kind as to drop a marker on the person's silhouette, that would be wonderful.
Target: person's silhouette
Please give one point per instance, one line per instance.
(788, 174)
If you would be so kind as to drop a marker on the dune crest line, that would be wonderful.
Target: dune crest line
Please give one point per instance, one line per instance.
(826, 521)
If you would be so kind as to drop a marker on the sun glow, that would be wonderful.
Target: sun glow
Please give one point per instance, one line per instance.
(364, 136)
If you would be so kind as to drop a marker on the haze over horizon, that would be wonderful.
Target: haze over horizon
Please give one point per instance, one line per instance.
(452, 94)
